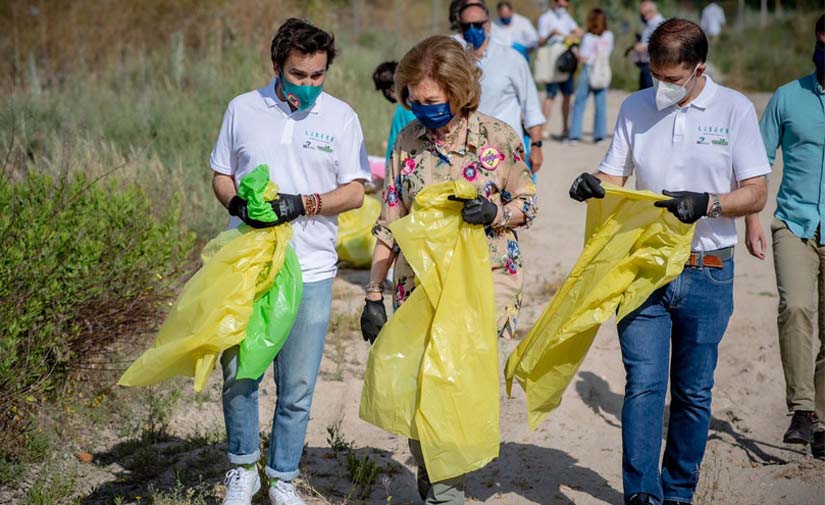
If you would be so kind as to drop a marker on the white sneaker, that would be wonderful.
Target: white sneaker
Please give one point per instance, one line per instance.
(241, 486)
(284, 493)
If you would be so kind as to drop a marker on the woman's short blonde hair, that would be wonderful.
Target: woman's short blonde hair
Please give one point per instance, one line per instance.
(443, 60)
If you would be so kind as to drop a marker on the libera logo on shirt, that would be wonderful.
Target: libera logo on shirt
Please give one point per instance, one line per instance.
(318, 140)
(718, 134)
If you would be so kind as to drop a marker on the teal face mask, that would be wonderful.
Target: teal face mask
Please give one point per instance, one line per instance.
(301, 97)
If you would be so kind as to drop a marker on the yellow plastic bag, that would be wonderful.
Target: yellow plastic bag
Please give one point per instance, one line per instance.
(212, 312)
(432, 374)
(355, 239)
(633, 249)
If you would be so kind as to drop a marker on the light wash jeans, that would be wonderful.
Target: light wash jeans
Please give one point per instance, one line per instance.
(295, 368)
(583, 91)
(675, 334)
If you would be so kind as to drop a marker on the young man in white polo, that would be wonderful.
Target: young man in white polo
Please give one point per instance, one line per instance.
(699, 143)
(314, 147)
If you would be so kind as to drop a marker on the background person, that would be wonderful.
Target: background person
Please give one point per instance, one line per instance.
(555, 26)
(713, 19)
(320, 166)
(515, 30)
(508, 91)
(651, 19)
(695, 136)
(795, 121)
(384, 80)
(438, 81)
(596, 43)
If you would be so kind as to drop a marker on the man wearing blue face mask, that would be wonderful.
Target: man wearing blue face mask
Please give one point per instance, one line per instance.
(795, 120)
(508, 91)
(699, 143)
(515, 30)
(313, 145)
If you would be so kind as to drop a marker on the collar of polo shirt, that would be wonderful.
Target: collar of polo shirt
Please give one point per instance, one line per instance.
(706, 95)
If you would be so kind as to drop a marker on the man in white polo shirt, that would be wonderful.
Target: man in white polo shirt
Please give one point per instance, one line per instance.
(314, 147)
(699, 143)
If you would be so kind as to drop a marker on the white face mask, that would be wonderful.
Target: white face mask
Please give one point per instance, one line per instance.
(668, 94)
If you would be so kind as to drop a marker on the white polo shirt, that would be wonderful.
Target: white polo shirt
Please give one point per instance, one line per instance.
(312, 151)
(519, 31)
(508, 91)
(708, 146)
(556, 19)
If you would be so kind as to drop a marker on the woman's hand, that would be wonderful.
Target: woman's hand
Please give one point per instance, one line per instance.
(373, 318)
(478, 210)
(755, 237)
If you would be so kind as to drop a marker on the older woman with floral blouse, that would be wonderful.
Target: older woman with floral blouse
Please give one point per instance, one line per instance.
(450, 140)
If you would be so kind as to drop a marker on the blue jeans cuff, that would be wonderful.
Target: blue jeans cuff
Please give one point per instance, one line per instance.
(244, 459)
(284, 476)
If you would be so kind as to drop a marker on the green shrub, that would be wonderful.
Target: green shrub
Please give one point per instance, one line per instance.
(82, 263)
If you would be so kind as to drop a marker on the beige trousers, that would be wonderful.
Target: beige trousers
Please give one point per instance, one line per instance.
(800, 278)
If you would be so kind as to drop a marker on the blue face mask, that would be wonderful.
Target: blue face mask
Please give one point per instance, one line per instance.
(432, 116)
(505, 21)
(301, 97)
(475, 36)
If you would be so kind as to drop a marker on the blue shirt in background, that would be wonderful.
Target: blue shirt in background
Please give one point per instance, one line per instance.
(400, 120)
(795, 120)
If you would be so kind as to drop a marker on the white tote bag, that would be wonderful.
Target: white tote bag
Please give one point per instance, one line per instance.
(600, 73)
(545, 71)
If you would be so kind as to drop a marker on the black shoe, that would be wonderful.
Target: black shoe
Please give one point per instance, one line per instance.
(818, 445)
(423, 482)
(801, 429)
(642, 499)
(671, 502)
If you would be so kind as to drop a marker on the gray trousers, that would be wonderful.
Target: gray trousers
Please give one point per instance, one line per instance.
(445, 492)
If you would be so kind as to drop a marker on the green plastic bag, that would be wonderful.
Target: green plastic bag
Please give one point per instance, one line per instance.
(272, 318)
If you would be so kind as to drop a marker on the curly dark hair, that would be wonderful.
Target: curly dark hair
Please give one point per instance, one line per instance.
(384, 75)
(300, 35)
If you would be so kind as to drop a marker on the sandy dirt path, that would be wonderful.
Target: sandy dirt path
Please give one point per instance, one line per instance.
(574, 457)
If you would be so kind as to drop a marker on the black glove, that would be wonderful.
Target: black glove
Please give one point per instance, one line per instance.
(586, 186)
(373, 318)
(478, 210)
(687, 206)
(288, 207)
(238, 207)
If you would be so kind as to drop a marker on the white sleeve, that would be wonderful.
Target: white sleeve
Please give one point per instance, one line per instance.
(747, 148)
(545, 25)
(528, 96)
(531, 36)
(619, 158)
(223, 159)
(586, 47)
(352, 162)
(609, 42)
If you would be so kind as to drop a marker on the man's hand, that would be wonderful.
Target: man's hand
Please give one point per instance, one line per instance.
(755, 237)
(238, 207)
(478, 210)
(373, 318)
(687, 206)
(288, 207)
(585, 187)
(536, 159)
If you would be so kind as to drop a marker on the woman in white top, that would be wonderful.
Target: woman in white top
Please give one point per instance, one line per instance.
(594, 54)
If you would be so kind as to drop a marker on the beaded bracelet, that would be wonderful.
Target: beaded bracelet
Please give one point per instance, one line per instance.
(319, 202)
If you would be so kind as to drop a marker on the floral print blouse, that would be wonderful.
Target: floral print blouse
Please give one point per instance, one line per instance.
(492, 159)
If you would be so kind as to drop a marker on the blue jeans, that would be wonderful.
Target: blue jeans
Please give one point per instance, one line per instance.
(295, 369)
(583, 91)
(689, 315)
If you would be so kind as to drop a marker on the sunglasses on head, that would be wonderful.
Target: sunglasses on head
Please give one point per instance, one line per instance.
(477, 25)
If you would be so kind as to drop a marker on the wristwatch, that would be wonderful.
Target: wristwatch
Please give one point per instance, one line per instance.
(536, 143)
(716, 207)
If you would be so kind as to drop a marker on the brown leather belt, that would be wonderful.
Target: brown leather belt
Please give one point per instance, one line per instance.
(710, 259)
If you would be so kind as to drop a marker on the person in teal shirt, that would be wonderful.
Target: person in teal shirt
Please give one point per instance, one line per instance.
(795, 121)
(384, 79)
